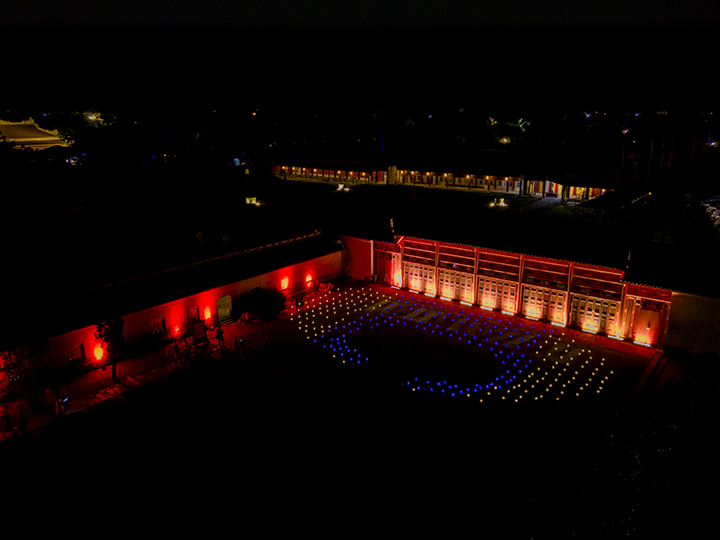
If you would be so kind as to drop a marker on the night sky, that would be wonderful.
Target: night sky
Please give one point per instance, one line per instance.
(548, 53)
(373, 13)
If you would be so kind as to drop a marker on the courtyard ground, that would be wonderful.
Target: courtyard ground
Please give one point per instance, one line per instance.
(451, 350)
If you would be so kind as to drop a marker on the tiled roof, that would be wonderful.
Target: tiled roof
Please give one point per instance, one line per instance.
(28, 135)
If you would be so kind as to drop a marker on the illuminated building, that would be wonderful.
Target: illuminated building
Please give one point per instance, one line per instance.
(350, 172)
(29, 135)
(375, 173)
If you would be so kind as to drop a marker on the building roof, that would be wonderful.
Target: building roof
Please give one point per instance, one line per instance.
(27, 134)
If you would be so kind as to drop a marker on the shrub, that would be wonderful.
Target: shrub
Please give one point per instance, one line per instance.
(265, 303)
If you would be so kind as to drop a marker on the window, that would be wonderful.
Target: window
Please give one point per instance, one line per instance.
(76, 352)
(157, 326)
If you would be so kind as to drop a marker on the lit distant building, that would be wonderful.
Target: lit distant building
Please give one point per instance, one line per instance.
(563, 188)
(29, 135)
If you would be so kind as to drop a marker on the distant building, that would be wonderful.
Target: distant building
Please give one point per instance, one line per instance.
(27, 134)
(563, 187)
(352, 172)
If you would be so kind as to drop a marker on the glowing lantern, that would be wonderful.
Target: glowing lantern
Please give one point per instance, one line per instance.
(284, 282)
(207, 313)
(98, 352)
(308, 279)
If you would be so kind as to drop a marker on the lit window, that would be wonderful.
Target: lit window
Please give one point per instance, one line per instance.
(157, 326)
(76, 352)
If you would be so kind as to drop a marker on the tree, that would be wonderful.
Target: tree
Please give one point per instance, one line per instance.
(265, 303)
(19, 370)
(110, 332)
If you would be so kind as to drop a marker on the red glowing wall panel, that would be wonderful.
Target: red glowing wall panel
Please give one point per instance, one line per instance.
(359, 262)
(509, 261)
(387, 246)
(647, 326)
(643, 291)
(58, 346)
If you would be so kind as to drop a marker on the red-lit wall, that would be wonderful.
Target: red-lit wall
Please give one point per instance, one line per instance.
(359, 257)
(175, 313)
(139, 325)
(61, 348)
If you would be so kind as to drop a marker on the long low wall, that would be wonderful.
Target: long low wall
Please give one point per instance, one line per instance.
(170, 319)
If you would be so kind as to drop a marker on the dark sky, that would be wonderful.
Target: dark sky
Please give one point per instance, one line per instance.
(547, 52)
(372, 13)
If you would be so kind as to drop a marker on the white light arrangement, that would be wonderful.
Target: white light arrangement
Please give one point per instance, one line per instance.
(531, 363)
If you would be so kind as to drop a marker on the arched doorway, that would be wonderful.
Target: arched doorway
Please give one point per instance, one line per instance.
(225, 309)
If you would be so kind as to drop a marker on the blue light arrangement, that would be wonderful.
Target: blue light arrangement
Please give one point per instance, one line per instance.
(534, 363)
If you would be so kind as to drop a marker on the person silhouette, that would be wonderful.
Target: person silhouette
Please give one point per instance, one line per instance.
(220, 336)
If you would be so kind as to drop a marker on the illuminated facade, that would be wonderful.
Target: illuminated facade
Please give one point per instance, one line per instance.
(512, 185)
(592, 298)
(332, 173)
(500, 184)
